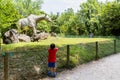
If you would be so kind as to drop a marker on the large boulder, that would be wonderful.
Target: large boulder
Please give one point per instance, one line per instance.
(7, 40)
(24, 38)
(40, 36)
(11, 35)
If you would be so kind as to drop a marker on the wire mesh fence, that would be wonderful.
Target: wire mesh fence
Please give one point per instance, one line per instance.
(79, 53)
(31, 64)
(61, 57)
(1, 67)
(118, 45)
(26, 64)
(27, 67)
(106, 45)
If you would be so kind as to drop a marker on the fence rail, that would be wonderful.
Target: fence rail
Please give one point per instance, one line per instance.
(27, 64)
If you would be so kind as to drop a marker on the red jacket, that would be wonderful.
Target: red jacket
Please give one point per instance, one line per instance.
(52, 54)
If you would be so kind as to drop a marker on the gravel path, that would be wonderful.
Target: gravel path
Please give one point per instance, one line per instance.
(104, 69)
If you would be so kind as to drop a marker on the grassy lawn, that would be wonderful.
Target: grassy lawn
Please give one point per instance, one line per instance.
(58, 41)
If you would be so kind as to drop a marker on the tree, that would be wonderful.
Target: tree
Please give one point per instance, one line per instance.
(27, 7)
(90, 13)
(8, 15)
(54, 26)
(64, 21)
(79, 26)
(111, 19)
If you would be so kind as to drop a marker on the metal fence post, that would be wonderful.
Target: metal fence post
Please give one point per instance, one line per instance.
(96, 55)
(68, 54)
(114, 46)
(6, 66)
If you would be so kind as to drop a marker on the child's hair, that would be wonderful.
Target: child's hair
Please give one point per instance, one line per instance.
(52, 46)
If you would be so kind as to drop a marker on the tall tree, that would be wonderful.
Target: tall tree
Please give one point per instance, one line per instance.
(27, 7)
(90, 12)
(54, 26)
(111, 18)
(64, 20)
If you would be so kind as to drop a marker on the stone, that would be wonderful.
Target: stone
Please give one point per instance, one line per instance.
(40, 36)
(53, 34)
(24, 38)
(11, 36)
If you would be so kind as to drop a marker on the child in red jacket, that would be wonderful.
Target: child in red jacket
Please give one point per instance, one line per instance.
(52, 60)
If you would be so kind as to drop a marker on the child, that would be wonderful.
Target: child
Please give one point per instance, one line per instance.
(52, 60)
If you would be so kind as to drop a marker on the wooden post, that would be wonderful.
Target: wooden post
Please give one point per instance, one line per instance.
(6, 66)
(0, 41)
(114, 46)
(96, 56)
(0, 45)
(68, 54)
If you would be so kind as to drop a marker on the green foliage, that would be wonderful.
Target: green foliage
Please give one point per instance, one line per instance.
(92, 17)
(54, 26)
(69, 23)
(64, 20)
(43, 26)
(111, 19)
(27, 7)
(8, 15)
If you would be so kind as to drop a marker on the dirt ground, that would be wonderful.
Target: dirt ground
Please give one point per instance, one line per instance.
(107, 68)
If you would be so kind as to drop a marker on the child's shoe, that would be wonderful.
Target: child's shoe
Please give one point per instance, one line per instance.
(55, 74)
(49, 73)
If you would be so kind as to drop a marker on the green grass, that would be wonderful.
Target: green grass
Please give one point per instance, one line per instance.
(58, 41)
